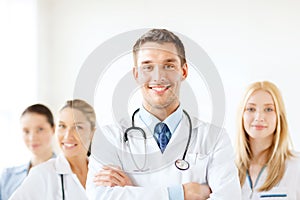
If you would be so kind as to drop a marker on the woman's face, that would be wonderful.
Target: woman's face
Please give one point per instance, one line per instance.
(37, 133)
(259, 117)
(74, 132)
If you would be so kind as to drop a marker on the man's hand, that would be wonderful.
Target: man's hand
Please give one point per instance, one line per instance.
(196, 191)
(112, 176)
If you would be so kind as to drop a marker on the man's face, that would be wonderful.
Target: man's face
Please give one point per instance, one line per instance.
(159, 73)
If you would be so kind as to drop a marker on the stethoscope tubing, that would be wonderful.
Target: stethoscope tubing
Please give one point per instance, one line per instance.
(190, 135)
(62, 186)
(133, 127)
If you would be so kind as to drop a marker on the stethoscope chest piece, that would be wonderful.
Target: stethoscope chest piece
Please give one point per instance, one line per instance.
(182, 164)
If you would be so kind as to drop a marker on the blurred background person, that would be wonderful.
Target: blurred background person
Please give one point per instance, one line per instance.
(37, 126)
(65, 176)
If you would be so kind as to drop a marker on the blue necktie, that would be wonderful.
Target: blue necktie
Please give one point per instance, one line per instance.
(162, 130)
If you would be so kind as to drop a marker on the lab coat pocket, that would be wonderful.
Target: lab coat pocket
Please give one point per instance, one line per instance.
(198, 165)
(277, 193)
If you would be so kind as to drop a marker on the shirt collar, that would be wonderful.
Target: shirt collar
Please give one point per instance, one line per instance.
(27, 166)
(150, 120)
(22, 168)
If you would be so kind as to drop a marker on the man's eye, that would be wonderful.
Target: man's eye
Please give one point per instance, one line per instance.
(147, 67)
(169, 67)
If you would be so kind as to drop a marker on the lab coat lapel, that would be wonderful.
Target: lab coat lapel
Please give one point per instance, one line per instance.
(62, 166)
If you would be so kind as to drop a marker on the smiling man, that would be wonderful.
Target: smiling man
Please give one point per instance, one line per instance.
(159, 71)
(145, 156)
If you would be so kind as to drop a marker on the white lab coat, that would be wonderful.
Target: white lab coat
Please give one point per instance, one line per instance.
(210, 155)
(287, 188)
(44, 182)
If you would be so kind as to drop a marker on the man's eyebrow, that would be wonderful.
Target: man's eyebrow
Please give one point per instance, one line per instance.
(146, 62)
(170, 60)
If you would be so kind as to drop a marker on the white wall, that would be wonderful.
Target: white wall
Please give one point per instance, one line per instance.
(18, 83)
(246, 40)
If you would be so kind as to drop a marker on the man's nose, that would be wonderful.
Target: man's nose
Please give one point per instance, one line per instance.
(158, 74)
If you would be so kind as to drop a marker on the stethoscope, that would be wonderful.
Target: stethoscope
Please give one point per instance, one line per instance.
(62, 186)
(62, 177)
(181, 164)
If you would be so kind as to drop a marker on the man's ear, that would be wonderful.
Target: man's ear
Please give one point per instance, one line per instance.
(135, 73)
(184, 71)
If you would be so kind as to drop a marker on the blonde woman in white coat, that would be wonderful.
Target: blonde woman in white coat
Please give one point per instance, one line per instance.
(268, 168)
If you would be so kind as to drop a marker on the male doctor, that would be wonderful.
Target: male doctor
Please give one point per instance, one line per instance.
(142, 167)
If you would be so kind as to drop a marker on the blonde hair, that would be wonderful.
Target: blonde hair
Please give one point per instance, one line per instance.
(87, 110)
(84, 107)
(279, 151)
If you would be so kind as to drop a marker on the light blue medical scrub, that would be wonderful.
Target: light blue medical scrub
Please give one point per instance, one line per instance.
(12, 178)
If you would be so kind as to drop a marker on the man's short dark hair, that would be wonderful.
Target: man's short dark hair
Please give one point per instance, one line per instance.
(160, 36)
